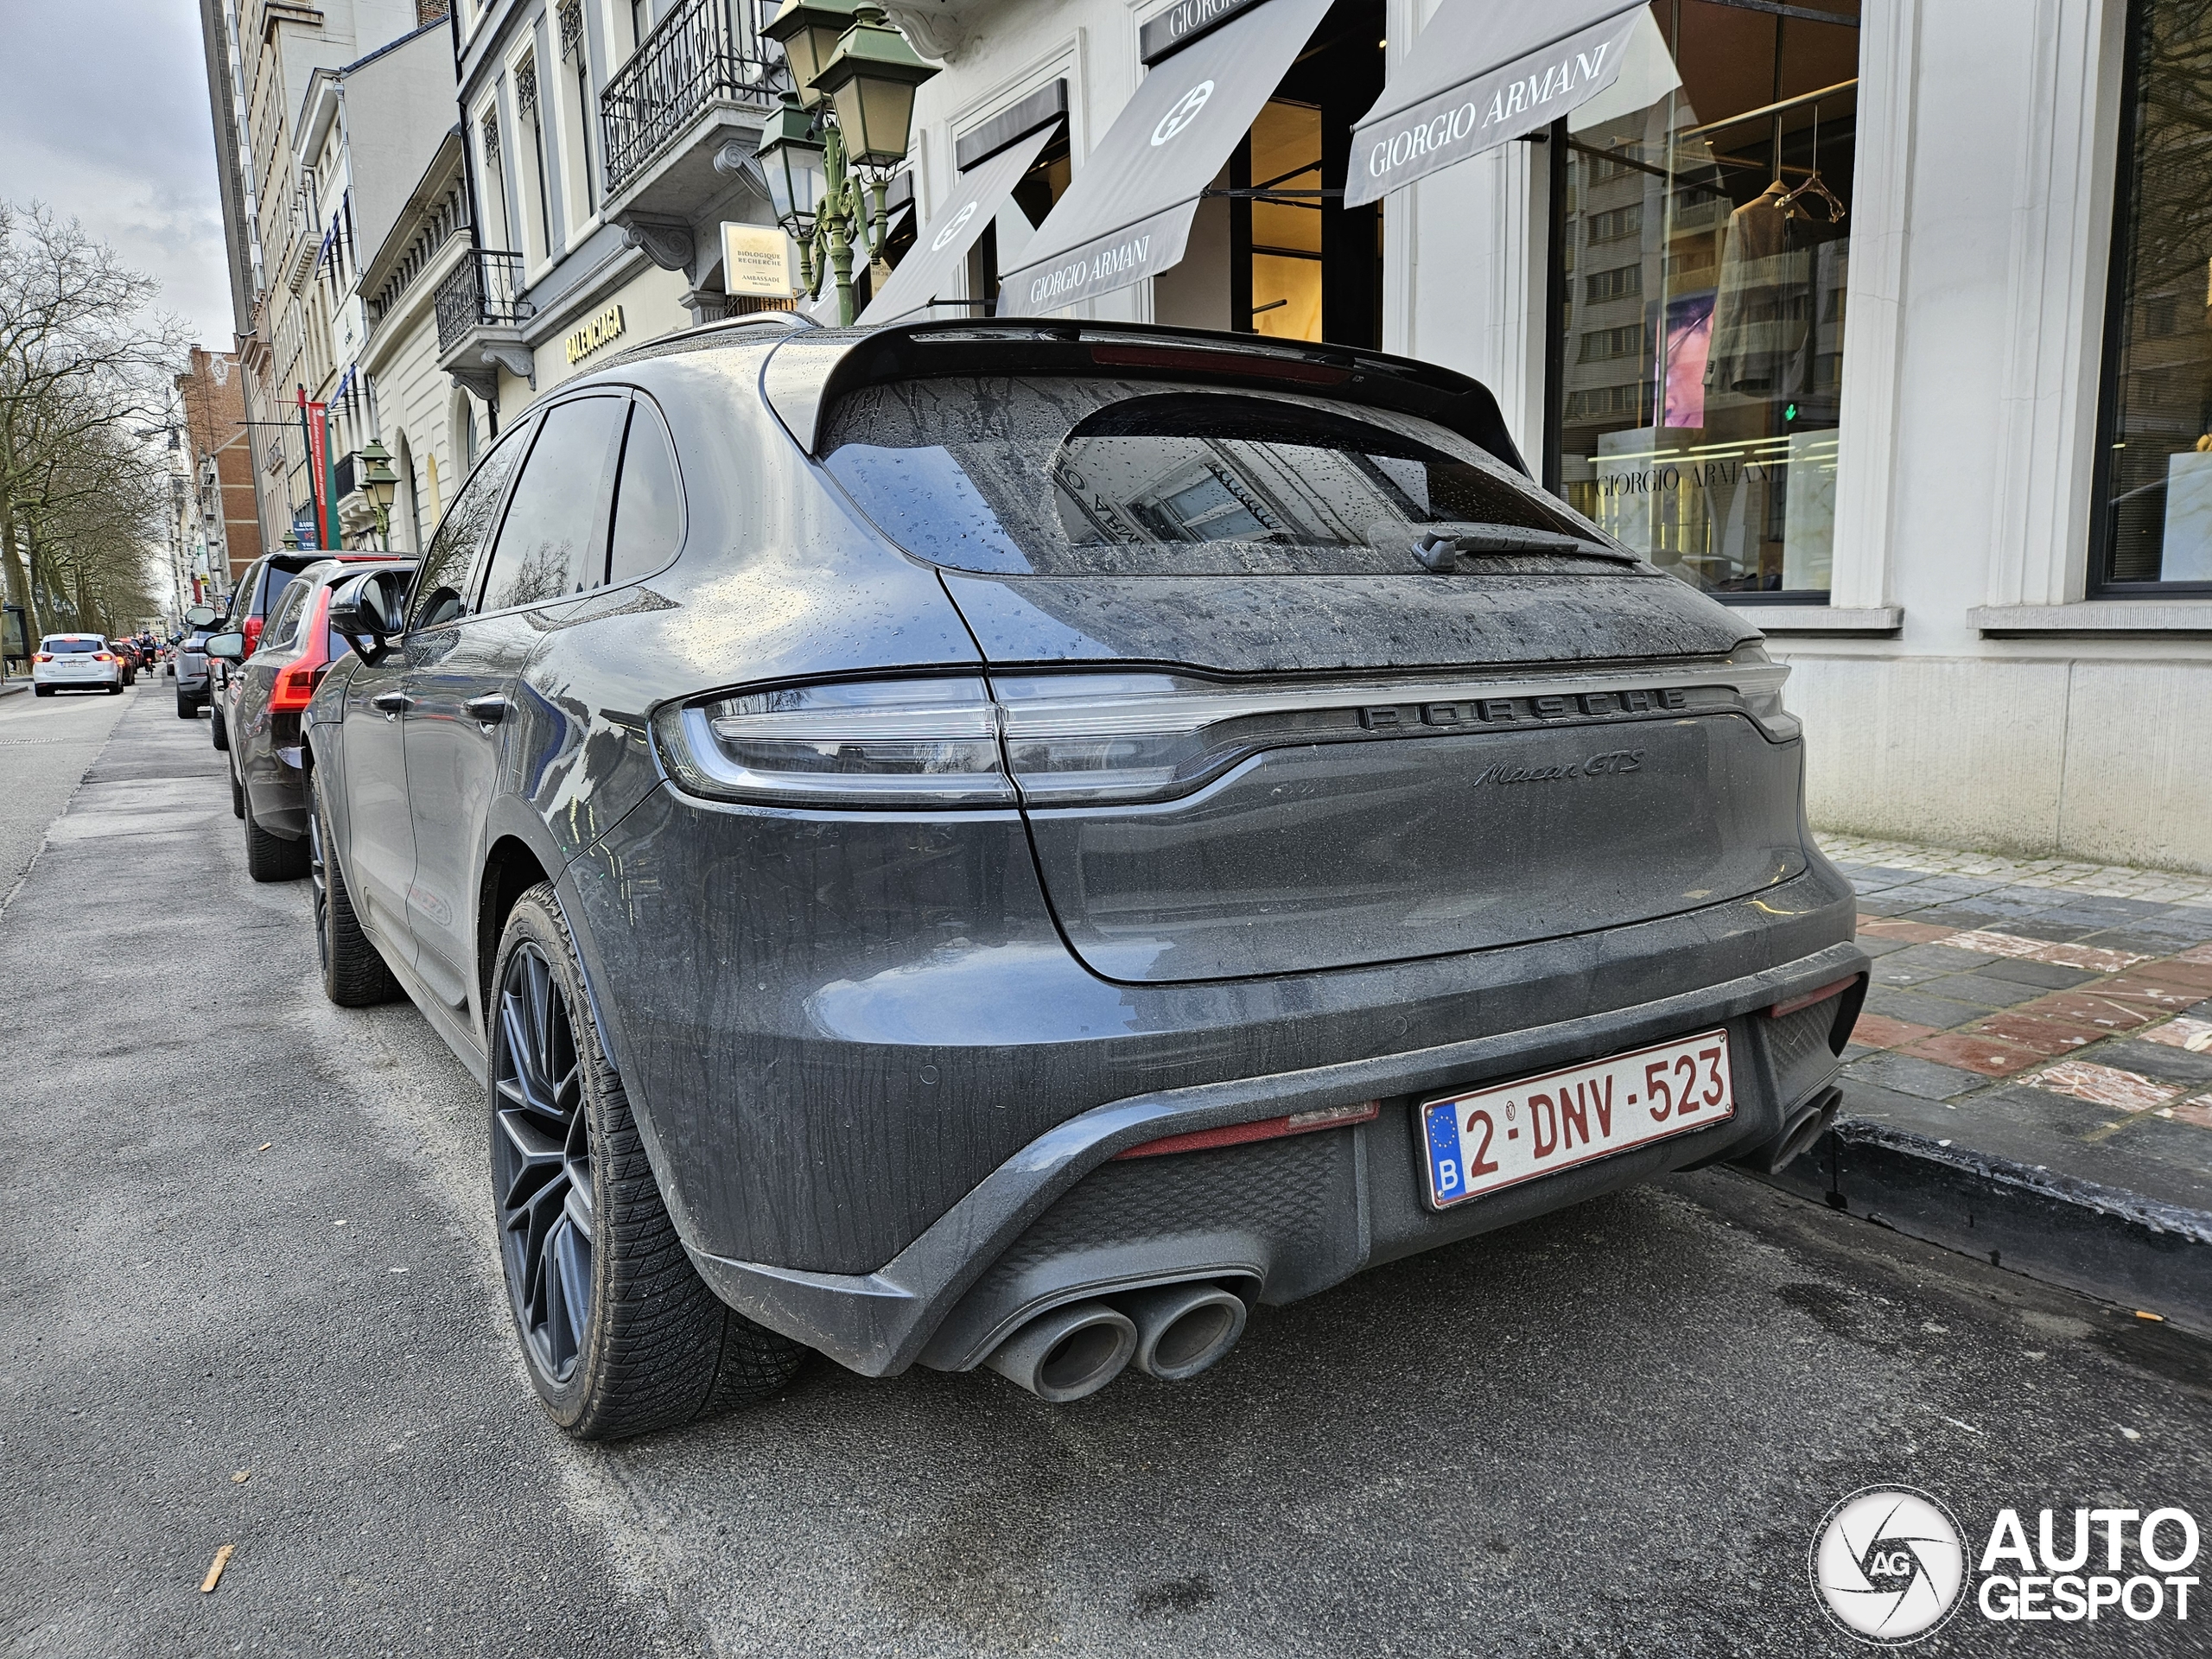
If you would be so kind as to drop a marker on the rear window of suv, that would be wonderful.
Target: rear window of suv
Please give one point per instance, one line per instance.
(59, 647)
(1069, 475)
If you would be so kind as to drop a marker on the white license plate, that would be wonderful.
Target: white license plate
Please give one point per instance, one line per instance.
(1514, 1132)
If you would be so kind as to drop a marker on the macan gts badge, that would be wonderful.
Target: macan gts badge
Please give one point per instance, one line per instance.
(1152, 824)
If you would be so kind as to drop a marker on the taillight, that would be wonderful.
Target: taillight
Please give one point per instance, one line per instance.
(102, 657)
(297, 679)
(41, 657)
(1089, 738)
(252, 633)
(888, 744)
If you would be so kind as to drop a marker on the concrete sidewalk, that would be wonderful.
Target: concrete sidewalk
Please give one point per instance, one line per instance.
(2031, 1077)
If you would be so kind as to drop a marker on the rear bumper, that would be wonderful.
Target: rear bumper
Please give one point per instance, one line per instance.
(42, 675)
(1287, 1218)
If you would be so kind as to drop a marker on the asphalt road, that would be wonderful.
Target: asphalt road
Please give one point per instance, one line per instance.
(245, 1233)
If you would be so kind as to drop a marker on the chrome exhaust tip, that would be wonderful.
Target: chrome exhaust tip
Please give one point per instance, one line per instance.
(1068, 1353)
(1182, 1329)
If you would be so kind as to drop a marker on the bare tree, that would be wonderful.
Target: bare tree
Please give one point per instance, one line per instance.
(82, 359)
(92, 509)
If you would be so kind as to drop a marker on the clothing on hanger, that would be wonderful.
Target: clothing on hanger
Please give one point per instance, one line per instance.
(1762, 307)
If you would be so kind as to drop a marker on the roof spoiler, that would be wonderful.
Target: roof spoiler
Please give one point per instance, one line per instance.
(810, 370)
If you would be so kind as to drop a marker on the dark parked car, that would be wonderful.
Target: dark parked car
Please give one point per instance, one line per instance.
(259, 592)
(266, 693)
(1011, 842)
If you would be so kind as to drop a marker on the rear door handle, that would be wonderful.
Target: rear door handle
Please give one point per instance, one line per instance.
(391, 704)
(490, 710)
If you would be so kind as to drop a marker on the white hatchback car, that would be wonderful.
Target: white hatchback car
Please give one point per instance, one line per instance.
(64, 661)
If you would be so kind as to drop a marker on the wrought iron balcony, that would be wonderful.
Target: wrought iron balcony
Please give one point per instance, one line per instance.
(483, 291)
(704, 51)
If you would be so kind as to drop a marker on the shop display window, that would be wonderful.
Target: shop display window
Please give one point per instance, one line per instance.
(1701, 252)
(2150, 529)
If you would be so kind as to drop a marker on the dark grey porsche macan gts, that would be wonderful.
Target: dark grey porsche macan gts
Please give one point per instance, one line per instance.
(1008, 843)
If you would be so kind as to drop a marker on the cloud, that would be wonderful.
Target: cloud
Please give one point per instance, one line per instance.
(104, 117)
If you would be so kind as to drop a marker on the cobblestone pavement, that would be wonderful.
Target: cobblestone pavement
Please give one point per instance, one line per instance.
(2049, 1010)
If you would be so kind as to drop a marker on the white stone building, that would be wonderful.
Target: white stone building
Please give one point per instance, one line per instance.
(1886, 320)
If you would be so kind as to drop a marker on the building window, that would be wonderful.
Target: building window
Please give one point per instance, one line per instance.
(1695, 371)
(495, 176)
(2151, 525)
(573, 54)
(537, 234)
(1622, 282)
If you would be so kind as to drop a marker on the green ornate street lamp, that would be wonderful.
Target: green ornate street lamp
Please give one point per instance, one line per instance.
(857, 75)
(381, 484)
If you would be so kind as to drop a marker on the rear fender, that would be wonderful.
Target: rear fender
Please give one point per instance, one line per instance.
(511, 822)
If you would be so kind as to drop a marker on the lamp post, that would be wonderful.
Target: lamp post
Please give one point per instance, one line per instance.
(381, 484)
(857, 75)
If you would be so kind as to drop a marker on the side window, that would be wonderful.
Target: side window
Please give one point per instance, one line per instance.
(648, 501)
(443, 584)
(274, 582)
(284, 625)
(552, 544)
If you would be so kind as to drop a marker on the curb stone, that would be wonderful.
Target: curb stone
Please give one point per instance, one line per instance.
(2115, 1245)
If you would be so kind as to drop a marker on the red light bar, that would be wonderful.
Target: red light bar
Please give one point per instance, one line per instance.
(1209, 362)
(1796, 1004)
(1267, 1128)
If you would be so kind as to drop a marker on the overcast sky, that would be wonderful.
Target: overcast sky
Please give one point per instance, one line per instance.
(104, 117)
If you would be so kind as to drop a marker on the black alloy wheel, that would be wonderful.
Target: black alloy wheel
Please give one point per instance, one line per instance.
(541, 1164)
(620, 1333)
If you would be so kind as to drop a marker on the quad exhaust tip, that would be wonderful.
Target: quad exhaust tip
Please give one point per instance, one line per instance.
(1069, 1353)
(1182, 1329)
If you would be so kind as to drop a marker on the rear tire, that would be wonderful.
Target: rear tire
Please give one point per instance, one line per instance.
(581, 1218)
(237, 795)
(186, 707)
(218, 732)
(354, 974)
(272, 858)
(42, 690)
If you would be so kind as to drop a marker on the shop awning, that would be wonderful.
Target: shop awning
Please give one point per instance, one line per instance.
(931, 272)
(1482, 73)
(1128, 212)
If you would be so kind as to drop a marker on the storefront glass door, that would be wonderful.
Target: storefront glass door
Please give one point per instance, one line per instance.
(1702, 246)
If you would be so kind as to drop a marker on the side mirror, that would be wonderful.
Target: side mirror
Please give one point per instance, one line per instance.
(201, 616)
(227, 647)
(368, 610)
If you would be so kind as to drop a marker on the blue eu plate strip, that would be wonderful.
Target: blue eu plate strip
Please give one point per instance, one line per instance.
(1445, 1179)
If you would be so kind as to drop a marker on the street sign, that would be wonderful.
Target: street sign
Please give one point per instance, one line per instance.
(759, 260)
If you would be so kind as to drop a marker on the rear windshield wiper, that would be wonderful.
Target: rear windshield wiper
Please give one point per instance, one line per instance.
(1439, 547)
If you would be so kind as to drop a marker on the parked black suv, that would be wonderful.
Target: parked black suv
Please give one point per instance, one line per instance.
(1011, 842)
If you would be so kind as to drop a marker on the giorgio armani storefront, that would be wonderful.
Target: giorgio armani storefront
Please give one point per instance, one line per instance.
(1886, 319)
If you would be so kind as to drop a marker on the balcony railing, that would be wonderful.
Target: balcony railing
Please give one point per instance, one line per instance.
(702, 51)
(482, 290)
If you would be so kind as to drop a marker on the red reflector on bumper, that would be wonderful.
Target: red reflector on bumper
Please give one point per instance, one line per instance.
(1798, 1003)
(1267, 1128)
